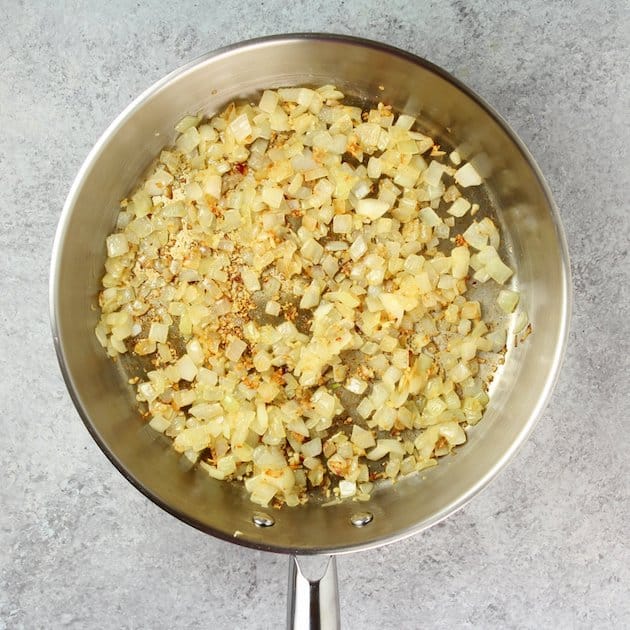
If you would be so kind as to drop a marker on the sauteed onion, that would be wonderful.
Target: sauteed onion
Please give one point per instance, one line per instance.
(294, 274)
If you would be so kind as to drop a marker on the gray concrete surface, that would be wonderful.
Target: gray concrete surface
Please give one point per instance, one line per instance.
(545, 546)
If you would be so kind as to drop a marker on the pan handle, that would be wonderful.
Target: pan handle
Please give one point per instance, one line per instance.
(313, 599)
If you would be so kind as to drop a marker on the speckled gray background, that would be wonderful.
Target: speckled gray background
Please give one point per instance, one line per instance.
(546, 546)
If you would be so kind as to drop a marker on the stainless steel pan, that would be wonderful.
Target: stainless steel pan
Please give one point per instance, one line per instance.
(517, 198)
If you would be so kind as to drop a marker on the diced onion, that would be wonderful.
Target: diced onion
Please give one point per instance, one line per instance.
(241, 128)
(117, 245)
(362, 438)
(347, 489)
(372, 208)
(272, 308)
(520, 322)
(459, 207)
(158, 332)
(235, 349)
(429, 217)
(384, 447)
(312, 250)
(508, 300)
(268, 101)
(305, 313)
(461, 258)
(186, 368)
(159, 423)
(186, 123)
(342, 224)
(466, 176)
